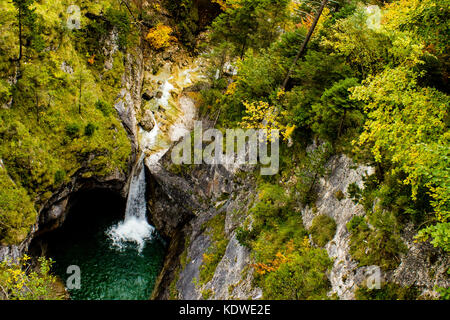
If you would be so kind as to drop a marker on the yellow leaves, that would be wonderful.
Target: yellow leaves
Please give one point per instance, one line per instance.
(160, 36)
(221, 3)
(288, 132)
(280, 93)
(261, 115)
(157, 7)
(231, 89)
(407, 126)
(207, 258)
(19, 283)
(306, 243)
(228, 4)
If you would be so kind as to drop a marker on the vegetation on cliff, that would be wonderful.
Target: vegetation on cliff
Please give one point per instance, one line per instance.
(57, 117)
(373, 83)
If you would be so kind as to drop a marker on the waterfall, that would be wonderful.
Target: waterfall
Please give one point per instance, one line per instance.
(136, 203)
(134, 228)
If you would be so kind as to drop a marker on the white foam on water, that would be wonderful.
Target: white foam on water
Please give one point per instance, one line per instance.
(166, 89)
(131, 231)
(148, 138)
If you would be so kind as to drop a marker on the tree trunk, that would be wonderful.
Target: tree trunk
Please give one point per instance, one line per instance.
(20, 36)
(244, 47)
(305, 42)
(79, 95)
(342, 123)
(36, 97)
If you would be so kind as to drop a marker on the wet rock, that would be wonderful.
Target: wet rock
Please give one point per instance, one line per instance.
(148, 95)
(200, 86)
(147, 121)
(167, 55)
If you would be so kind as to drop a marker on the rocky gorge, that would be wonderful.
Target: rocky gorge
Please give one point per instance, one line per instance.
(157, 106)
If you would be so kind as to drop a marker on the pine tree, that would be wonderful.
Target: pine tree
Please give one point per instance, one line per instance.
(26, 17)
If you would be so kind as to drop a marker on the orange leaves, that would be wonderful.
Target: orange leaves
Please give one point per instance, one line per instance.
(275, 264)
(91, 59)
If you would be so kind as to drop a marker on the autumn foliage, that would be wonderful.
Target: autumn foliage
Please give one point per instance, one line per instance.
(160, 36)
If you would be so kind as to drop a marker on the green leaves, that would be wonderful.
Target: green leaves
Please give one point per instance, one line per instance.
(17, 213)
(375, 240)
(249, 23)
(19, 281)
(301, 278)
(407, 125)
(336, 111)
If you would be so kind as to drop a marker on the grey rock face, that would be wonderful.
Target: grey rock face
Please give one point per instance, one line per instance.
(343, 173)
(66, 68)
(233, 276)
(422, 266)
(195, 198)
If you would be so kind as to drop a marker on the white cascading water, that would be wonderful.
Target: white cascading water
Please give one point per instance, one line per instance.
(135, 227)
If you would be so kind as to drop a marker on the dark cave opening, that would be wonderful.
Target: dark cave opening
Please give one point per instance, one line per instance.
(107, 271)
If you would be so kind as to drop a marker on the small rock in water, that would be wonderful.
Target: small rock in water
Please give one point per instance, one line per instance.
(147, 122)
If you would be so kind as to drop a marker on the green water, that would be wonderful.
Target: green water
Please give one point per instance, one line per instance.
(107, 273)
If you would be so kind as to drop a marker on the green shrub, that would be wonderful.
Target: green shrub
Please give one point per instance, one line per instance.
(354, 223)
(303, 277)
(73, 130)
(19, 281)
(60, 175)
(274, 205)
(322, 230)
(378, 244)
(313, 168)
(339, 195)
(89, 130)
(206, 294)
(17, 213)
(444, 293)
(354, 192)
(104, 107)
(244, 236)
(121, 21)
